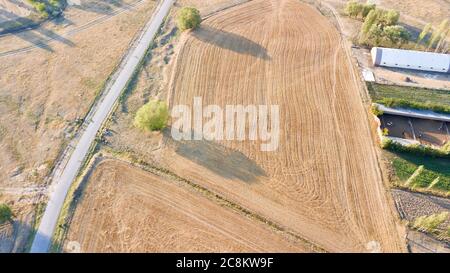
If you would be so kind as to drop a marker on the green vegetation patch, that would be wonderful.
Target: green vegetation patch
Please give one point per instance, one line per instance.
(381, 28)
(5, 213)
(47, 8)
(153, 116)
(430, 223)
(434, 174)
(188, 18)
(410, 97)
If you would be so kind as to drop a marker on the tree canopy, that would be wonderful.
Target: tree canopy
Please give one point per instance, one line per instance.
(5, 213)
(188, 18)
(153, 116)
(380, 29)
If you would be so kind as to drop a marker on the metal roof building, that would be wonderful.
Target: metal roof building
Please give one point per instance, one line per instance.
(410, 59)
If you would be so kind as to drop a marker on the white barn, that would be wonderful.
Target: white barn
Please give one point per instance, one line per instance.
(410, 59)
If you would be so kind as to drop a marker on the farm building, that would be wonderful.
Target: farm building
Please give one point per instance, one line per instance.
(410, 59)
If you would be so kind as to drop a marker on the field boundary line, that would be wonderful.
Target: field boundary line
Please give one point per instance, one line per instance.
(93, 124)
(130, 158)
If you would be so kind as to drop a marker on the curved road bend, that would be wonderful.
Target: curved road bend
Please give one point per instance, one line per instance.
(61, 184)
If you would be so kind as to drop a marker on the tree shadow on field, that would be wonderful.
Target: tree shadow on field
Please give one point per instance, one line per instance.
(230, 41)
(30, 31)
(226, 162)
(103, 6)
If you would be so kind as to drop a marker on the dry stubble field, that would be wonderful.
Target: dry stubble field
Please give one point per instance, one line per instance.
(125, 209)
(323, 183)
(43, 91)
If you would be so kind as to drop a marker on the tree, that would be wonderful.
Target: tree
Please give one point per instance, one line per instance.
(397, 35)
(153, 116)
(380, 29)
(441, 44)
(353, 8)
(366, 9)
(390, 17)
(369, 21)
(5, 213)
(426, 29)
(55, 3)
(436, 36)
(375, 35)
(188, 18)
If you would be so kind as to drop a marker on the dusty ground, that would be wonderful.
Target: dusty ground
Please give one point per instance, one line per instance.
(323, 183)
(413, 13)
(13, 9)
(395, 76)
(44, 90)
(413, 205)
(419, 242)
(428, 132)
(420, 12)
(125, 209)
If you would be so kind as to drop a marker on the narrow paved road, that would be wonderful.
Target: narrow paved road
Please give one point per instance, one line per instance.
(61, 183)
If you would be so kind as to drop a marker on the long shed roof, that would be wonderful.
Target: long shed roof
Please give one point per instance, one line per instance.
(411, 59)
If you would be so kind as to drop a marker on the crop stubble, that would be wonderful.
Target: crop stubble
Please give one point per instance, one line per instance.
(323, 183)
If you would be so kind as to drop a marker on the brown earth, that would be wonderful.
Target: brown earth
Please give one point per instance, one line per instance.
(430, 11)
(427, 132)
(324, 182)
(45, 90)
(125, 209)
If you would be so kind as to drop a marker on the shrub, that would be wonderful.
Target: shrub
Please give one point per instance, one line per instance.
(366, 9)
(397, 35)
(55, 3)
(5, 213)
(446, 147)
(153, 116)
(356, 9)
(385, 132)
(416, 149)
(395, 102)
(353, 8)
(40, 7)
(389, 18)
(376, 110)
(430, 223)
(386, 143)
(188, 18)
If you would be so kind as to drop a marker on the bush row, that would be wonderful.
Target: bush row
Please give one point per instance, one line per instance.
(394, 102)
(416, 149)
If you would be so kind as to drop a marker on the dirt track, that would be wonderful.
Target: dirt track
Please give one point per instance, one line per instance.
(126, 209)
(323, 183)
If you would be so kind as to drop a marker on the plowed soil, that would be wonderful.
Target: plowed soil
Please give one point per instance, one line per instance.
(323, 183)
(125, 209)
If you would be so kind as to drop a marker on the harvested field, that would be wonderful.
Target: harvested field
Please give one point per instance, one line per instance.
(125, 209)
(323, 183)
(46, 90)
